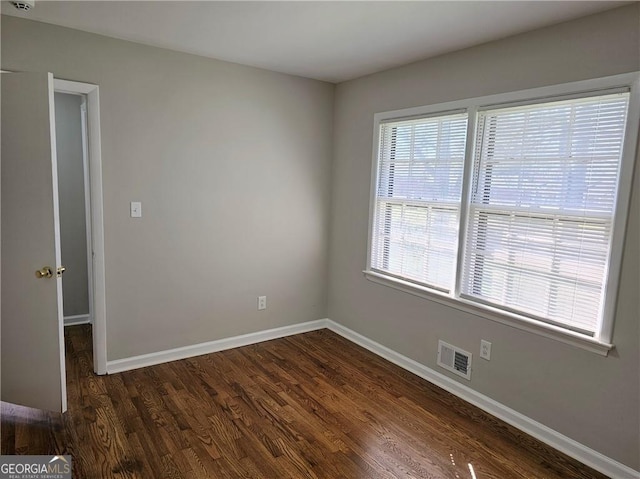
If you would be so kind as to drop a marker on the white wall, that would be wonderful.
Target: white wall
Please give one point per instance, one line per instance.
(73, 232)
(232, 166)
(592, 399)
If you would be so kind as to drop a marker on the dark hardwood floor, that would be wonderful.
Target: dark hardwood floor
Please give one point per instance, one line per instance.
(307, 406)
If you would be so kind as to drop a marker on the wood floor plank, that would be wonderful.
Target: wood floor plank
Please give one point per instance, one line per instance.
(312, 406)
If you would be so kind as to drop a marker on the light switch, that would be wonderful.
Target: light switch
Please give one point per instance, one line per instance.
(136, 209)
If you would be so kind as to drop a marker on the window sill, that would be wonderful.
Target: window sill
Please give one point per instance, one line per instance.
(518, 322)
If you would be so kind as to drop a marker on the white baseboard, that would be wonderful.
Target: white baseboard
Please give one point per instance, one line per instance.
(574, 449)
(77, 319)
(126, 364)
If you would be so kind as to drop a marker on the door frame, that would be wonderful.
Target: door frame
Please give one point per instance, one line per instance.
(95, 234)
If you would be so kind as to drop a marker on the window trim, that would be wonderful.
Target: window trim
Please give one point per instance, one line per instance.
(600, 343)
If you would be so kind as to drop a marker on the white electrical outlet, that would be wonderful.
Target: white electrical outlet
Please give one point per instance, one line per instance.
(262, 303)
(485, 349)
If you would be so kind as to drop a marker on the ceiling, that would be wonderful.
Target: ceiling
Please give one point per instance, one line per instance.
(332, 41)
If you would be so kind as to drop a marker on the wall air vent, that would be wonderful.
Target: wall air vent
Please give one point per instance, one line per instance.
(454, 359)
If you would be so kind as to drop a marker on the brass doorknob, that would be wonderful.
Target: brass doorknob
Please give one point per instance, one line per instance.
(60, 270)
(45, 272)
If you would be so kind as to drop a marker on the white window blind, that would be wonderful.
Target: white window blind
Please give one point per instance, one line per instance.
(541, 208)
(417, 199)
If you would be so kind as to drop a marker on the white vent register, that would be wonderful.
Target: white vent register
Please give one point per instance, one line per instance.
(454, 359)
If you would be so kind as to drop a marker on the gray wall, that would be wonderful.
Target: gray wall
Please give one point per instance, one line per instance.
(232, 166)
(73, 232)
(589, 398)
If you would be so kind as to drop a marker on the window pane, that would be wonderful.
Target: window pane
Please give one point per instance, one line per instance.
(562, 155)
(417, 243)
(547, 267)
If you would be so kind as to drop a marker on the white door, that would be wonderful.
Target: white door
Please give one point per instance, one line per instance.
(32, 354)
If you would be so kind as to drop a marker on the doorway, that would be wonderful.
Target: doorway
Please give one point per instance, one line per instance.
(80, 200)
(74, 206)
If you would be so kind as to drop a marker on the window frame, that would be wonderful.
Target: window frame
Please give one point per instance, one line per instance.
(601, 342)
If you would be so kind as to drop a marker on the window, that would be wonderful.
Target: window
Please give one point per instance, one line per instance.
(542, 204)
(507, 207)
(418, 198)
